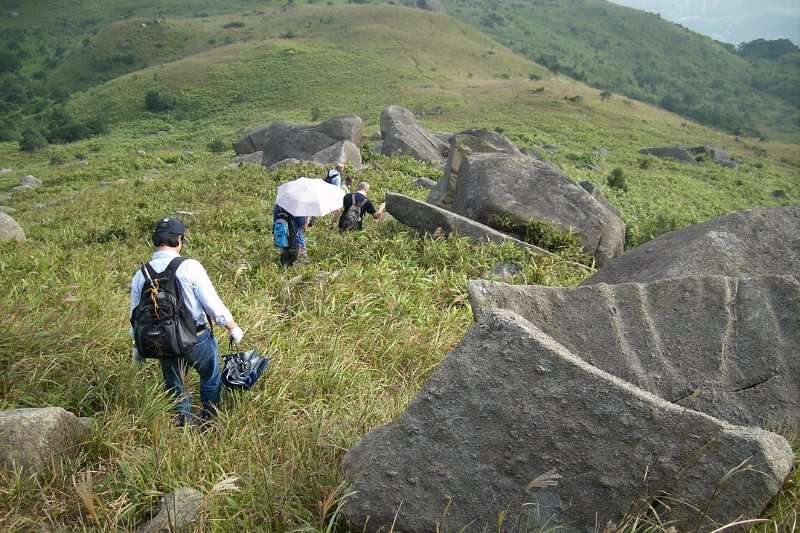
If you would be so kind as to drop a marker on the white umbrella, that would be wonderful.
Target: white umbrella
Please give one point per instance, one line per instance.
(304, 197)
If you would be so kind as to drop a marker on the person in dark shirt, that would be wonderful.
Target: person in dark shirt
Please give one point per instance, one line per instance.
(360, 198)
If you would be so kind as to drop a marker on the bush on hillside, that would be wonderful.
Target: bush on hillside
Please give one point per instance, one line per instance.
(32, 140)
(217, 146)
(616, 180)
(156, 101)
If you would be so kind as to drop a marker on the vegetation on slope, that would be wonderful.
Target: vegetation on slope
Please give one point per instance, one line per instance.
(354, 335)
(644, 57)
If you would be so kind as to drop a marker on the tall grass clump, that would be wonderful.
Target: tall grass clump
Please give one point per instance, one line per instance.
(544, 235)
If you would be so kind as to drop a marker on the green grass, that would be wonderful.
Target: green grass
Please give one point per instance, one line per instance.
(353, 335)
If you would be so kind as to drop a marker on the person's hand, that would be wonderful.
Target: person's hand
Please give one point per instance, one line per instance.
(135, 357)
(236, 335)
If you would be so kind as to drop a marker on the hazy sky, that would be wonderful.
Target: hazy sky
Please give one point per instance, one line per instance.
(730, 21)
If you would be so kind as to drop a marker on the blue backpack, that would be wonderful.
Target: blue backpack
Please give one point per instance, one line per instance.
(283, 230)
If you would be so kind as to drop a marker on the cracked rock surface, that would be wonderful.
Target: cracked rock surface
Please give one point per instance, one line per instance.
(729, 347)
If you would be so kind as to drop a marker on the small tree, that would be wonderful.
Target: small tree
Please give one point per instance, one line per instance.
(32, 140)
(156, 101)
(605, 95)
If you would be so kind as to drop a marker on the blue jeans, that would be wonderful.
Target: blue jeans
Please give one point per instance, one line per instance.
(204, 359)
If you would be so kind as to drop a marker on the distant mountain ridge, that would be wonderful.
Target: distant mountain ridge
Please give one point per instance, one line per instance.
(643, 56)
(730, 21)
(50, 51)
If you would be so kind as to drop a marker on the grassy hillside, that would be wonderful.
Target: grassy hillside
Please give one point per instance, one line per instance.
(645, 57)
(52, 50)
(353, 335)
(446, 83)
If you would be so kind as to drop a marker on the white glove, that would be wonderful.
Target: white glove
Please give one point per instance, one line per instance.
(236, 335)
(135, 357)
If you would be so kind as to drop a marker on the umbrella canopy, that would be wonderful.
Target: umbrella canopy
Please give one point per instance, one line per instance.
(304, 197)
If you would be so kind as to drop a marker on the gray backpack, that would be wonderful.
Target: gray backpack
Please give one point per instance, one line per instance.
(352, 216)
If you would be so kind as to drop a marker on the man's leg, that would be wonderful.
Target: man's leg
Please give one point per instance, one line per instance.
(174, 370)
(286, 257)
(301, 255)
(204, 358)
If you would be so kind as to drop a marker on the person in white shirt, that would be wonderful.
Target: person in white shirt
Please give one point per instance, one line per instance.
(202, 301)
(334, 175)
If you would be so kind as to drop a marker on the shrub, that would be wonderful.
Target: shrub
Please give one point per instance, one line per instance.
(616, 180)
(217, 146)
(236, 24)
(605, 95)
(156, 101)
(72, 131)
(32, 140)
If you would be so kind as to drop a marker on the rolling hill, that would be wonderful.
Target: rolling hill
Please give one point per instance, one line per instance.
(353, 335)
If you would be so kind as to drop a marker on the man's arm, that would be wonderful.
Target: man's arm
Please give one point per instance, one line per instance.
(379, 213)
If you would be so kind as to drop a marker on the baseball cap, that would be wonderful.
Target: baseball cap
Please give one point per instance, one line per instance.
(169, 225)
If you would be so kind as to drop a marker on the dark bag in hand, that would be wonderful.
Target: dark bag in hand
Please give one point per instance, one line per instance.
(241, 370)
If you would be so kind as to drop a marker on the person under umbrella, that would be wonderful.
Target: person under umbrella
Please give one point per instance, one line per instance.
(296, 252)
(299, 201)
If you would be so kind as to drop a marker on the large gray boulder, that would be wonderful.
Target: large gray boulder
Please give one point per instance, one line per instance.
(32, 439)
(492, 184)
(10, 230)
(729, 347)
(282, 140)
(431, 5)
(340, 151)
(717, 155)
(757, 242)
(510, 405)
(681, 154)
(403, 135)
(462, 145)
(431, 219)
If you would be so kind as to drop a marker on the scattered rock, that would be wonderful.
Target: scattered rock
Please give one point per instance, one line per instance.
(32, 439)
(491, 184)
(425, 183)
(513, 423)
(176, 511)
(463, 144)
(403, 135)
(670, 153)
(10, 230)
(428, 218)
(761, 241)
(729, 347)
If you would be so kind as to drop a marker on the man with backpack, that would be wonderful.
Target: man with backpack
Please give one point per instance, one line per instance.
(334, 175)
(171, 297)
(355, 205)
(289, 233)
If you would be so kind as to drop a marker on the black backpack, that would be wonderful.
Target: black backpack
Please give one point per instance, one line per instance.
(352, 217)
(162, 325)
